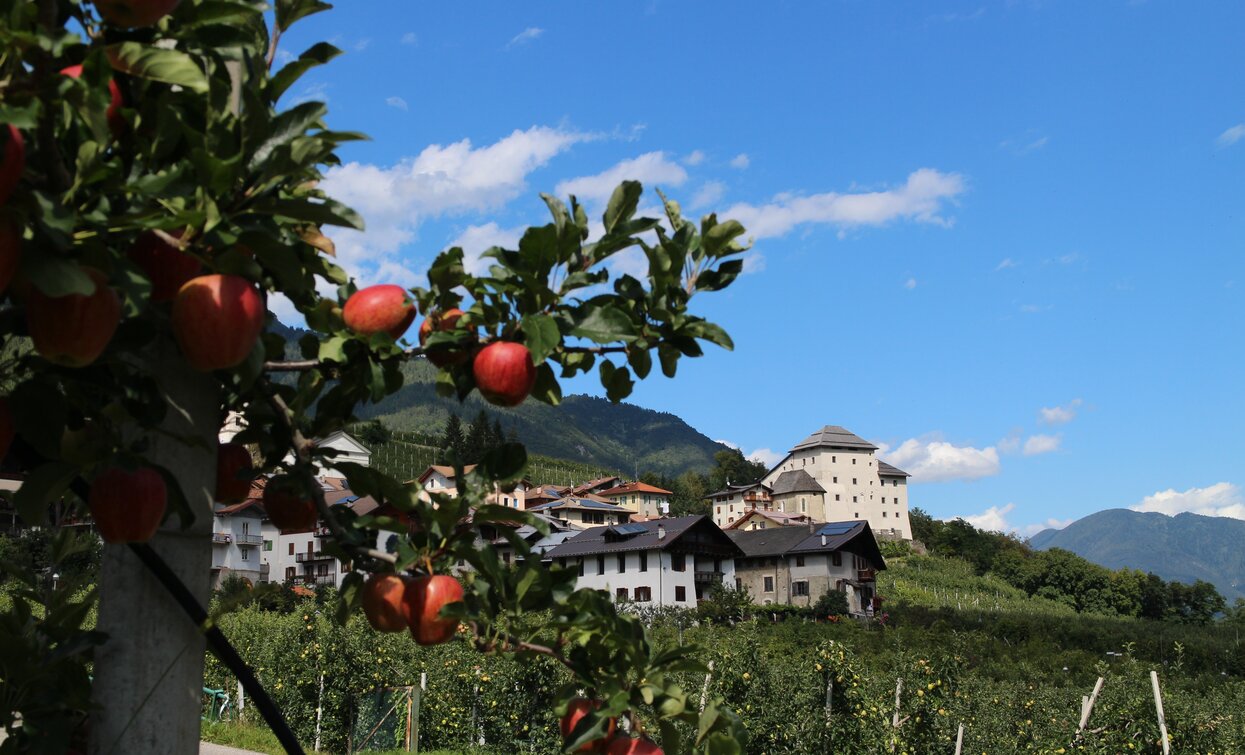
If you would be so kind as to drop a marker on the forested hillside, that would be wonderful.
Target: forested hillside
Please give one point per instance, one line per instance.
(1186, 547)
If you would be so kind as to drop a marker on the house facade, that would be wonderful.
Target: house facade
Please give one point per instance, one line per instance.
(440, 479)
(733, 501)
(667, 562)
(797, 565)
(584, 512)
(648, 501)
(758, 519)
(239, 540)
(856, 484)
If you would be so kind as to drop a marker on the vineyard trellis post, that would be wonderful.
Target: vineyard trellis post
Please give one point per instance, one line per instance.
(1158, 707)
(959, 739)
(1087, 705)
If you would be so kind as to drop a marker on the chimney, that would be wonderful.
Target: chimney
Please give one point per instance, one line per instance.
(811, 528)
(823, 541)
(661, 531)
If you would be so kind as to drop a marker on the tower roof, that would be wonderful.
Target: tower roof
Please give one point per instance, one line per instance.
(797, 481)
(834, 436)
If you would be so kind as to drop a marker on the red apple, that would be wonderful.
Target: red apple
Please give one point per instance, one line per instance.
(379, 309)
(383, 604)
(73, 330)
(168, 267)
(6, 428)
(115, 122)
(234, 471)
(217, 319)
(504, 373)
(443, 356)
(13, 162)
(10, 250)
(576, 711)
(623, 744)
(128, 506)
(423, 599)
(288, 506)
(131, 13)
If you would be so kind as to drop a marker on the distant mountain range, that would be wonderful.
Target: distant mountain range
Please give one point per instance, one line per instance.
(1185, 547)
(623, 437)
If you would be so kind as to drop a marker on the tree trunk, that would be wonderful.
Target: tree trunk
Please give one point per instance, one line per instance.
(149, 674)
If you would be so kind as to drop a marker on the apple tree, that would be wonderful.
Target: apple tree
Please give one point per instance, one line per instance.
(156, 191)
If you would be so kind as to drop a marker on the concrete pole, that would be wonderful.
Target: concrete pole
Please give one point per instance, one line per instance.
(149, 673)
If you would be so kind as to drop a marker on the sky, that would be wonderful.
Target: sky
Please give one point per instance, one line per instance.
(1001, 240)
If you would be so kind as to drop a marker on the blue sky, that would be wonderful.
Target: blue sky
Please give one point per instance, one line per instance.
(1002, 240)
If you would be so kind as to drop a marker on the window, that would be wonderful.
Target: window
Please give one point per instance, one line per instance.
(833, 459)
(678, 562)
(836, 480)
(883, 499)
(643, 594)
(620, 594)
(803, 506)
(856, 515)
(854, 501)
(719, 509)
(853, 460)
(246, 554)
(289, 572)
(836, 558)
(853, 480)
(883, 514)
(267, 545)
(838, 497)
(345, 567)
(643, 562)
(246, 528)
(799, 560)
(680, 594)
(581, 566)
(622, 562)
(769, 584)
(799, 589)
(505, 557)
(600, 564)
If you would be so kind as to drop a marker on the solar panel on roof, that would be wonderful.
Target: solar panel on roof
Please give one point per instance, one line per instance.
(836, 528)
(349, 499)
(629, 529)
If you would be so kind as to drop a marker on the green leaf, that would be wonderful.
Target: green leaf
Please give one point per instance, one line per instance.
(505, 462)
(290, 11)
(603, 322)
(43, 485)
(56, 276)
(158, 64)
(719, 237)
(348, 596)
(547, 390)
(622, 205)
(285, 127)
(327, 212)
(616, 381)
(316, 55)
(541, 336)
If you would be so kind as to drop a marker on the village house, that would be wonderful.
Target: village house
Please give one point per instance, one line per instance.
(440, 479)
(649, 501)
(666, 562)
(758, 519)
(597, 485)
(239, 540)
(584, 511)
(797, 565)
(853, 483)
(733, 501)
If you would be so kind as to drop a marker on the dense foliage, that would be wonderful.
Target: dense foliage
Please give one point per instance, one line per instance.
(1064, 577)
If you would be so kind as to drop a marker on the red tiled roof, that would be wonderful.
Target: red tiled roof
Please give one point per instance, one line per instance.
(635, 487)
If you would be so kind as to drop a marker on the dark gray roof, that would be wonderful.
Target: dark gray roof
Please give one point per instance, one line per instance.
(835, 437)
(733, 489)
(886, 470)
(853, 537)
(797, 481)
(579, 503)
(688, 532)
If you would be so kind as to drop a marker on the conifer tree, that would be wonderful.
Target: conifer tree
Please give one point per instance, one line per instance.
(453, 440)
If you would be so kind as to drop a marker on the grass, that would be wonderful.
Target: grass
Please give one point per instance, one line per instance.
(258, 738)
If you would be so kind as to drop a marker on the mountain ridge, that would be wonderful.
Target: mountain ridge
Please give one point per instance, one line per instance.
(1184, 547)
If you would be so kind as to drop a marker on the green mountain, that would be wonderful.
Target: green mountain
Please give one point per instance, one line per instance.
(584, 429)
(1186, 547)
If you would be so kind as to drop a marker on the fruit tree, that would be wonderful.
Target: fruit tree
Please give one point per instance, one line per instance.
(156, 191)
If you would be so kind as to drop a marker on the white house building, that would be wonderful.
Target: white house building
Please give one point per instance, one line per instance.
(239, 539)
(666, 562)
(854, 484)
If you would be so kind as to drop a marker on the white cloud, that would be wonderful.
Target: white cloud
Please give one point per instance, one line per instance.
(940, 461)
(766, 456)
(397, 102)
(650, 169)
(695, 158)
(709, 193)
(441, 180)
(477, 239)
(525, 36)
(1005, 264)
(362, 44)
(1030, 309)
(1231, 136)
(410, 38)
(754, 262)
(1220, 499)
(740, 161)
(1059, 415)
(910, 284)
(725, 442)
(921, 198)
(993, 519)
(1041, 444)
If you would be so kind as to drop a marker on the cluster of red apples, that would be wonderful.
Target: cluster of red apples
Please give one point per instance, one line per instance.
(503, 370)
(614, 742)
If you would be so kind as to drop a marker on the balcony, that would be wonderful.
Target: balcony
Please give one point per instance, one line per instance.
(221, 538)
(866, 575)
(316, 556)
(707, 576)
(315, 579)
(248, 539)
(322, 531)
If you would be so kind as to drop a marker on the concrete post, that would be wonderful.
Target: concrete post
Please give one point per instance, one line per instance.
(149, 674)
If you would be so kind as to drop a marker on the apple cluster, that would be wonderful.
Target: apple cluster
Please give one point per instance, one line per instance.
(503, 370)
(394, 602)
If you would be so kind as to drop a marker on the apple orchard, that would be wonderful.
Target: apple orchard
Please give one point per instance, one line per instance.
(155, 193)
